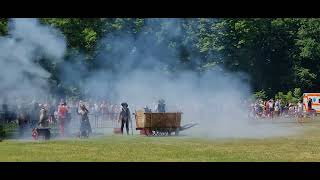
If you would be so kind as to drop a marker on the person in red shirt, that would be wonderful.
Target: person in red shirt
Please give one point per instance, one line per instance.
(62, 116)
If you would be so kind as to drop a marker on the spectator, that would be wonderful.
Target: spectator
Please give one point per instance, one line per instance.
(62, 116)
(271, 108)
(277, 108)
(310, 105)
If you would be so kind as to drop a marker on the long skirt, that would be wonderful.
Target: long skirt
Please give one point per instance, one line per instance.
(85, 127)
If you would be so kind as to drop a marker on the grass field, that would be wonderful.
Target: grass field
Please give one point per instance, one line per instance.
(301, 147)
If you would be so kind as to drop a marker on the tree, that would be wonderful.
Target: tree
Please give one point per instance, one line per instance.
(260, 95)
(278, 54)
(280, 96)
(297, 94)
(3, 26)
(289, 97)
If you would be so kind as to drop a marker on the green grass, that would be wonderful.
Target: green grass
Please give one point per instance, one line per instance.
(301, 147)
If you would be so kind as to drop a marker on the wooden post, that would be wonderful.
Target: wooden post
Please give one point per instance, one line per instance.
(150, 121)
(176, 119)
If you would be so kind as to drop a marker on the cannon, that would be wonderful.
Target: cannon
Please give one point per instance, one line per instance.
(41, 132)
(160, 124)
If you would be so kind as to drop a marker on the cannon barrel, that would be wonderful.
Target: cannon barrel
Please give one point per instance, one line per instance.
(187, 126)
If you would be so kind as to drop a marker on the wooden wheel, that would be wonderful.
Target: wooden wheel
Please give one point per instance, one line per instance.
(158, 133)
(154, 132)
(164, 133)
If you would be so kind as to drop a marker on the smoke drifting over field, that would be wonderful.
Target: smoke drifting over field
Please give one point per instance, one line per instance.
(214, 99)
(133, 70)
(27, 43)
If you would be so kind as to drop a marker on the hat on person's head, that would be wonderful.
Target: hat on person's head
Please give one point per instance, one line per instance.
(124, 104)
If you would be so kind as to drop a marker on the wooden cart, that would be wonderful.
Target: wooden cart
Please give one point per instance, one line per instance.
(158, 124)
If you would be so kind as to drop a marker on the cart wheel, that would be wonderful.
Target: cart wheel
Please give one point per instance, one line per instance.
(157, 133)
(153, 132)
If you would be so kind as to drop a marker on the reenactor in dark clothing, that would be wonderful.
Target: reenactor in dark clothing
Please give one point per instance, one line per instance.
(85, 127)
(310, 105)
(310, 110)
(147, 109)
(51, 111)
(124, 117)
(161, 106)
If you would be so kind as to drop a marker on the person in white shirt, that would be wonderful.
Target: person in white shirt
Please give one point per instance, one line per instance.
(277, 108)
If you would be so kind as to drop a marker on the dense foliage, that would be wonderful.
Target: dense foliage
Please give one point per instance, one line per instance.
(278, 54)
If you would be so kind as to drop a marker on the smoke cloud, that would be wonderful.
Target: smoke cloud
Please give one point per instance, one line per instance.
(137, 75)
(28, 43)
(137, 69)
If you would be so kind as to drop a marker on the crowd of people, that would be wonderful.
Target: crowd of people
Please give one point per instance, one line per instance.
(40, 115)
(31, 116)
(276, 108)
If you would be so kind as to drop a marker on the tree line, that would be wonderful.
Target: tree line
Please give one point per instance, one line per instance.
(277, 54)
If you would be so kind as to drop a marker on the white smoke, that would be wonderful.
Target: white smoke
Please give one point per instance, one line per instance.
(28, 42)
(132, 70)
(214, 99)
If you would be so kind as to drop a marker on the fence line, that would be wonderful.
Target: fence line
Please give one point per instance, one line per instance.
(97, 121)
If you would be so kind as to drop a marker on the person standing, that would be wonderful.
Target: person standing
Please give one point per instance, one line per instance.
(85, 126)
(161, 106)
(310, 105)
(266, 108)
(124, 117)
(62, 116)
(147, 109)
(271, 108)
(51, 110)
(276, 108)
(104, 109)
(280, 107)
(43, 120)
